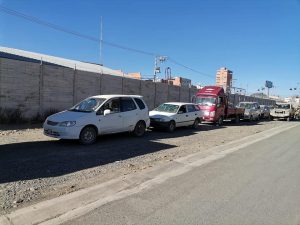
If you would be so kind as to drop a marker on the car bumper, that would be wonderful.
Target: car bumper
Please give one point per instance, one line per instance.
(208, 119)
(280, 116)
(247, 116)
(158, 124)
(62, 132)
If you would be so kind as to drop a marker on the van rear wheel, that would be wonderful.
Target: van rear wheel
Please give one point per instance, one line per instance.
(140, 129)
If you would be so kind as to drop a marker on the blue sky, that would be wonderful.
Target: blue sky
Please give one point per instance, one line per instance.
(258, 40)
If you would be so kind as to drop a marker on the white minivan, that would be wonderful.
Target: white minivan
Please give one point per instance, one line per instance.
(97, 115)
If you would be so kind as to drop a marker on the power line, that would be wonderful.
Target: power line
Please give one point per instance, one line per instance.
(90, 38)
(189, 68)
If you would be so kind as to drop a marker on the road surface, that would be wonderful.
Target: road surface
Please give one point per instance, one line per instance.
(259, 184)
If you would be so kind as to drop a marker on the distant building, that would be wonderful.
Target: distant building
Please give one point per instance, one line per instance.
(224, 78)
(136, 75)
(180, 81)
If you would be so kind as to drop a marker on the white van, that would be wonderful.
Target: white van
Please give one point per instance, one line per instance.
(97, 115)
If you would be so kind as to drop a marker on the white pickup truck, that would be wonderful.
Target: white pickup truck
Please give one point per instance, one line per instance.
(283, 111)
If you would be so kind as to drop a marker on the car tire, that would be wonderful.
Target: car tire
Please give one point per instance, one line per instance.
(196, 123)
(139, 129)
(237, 119)
(88, 135)
(251, 119)
(172, 126)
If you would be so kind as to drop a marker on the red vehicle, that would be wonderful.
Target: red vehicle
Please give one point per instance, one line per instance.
(213, 101)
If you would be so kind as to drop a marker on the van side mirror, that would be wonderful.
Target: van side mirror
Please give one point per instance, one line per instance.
(106, 112)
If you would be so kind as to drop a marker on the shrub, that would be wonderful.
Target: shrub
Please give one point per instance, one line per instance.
(11, 116)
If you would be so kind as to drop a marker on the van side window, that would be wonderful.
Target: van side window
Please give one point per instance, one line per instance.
(113, 105)
(127, 104)
(140, 103)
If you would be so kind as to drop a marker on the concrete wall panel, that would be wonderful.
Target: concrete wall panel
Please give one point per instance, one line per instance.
(174, 94)
(57, 87)
(148, 93)
(185, 94)
(161, 95)
(86, 84)
(19, 86)
(111, 84)
(131, 86)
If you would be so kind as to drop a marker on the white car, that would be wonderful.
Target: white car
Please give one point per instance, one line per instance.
(97, 115)
(175, 114)
(252, 110)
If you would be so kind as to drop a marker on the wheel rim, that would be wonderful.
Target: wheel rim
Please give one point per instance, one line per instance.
(196, 122)
(172, 126)
(220, 121)
(140, 129)
(88, 136)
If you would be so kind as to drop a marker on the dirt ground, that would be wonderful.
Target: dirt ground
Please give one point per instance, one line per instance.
(34, 167)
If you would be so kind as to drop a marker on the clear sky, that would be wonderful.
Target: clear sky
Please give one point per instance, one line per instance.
(258, 39)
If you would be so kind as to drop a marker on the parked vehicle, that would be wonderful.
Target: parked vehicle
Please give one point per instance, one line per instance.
(283, 111)
(97, 115)
(252, 110)
(214, 103)
(265, 112)
(175, 114)
(297, 113)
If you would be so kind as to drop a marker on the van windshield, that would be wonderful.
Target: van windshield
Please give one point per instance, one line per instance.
(88, 105)
(282, 106)
(205, 101)
(245, 105)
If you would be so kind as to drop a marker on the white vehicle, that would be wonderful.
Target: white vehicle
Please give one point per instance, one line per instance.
(175, 114)
(252, 110)
(97, 115)
(283, 111)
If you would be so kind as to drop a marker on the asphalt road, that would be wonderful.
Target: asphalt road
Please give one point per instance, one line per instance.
(259, 184)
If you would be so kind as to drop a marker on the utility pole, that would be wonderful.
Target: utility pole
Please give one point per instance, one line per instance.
(101, 41)
(157, 61)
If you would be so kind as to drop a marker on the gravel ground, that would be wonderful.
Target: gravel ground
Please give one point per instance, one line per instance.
(35, 167)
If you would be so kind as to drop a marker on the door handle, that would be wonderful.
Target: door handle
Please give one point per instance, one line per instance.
(186, 115)
(120, 116)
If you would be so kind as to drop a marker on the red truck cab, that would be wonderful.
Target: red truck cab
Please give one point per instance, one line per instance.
(213, 102)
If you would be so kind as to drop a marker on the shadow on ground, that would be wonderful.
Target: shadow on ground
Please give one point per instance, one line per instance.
(42, 159)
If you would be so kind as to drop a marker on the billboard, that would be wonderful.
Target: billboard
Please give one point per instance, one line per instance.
(269, 84)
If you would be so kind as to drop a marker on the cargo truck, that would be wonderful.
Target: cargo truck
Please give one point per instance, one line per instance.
(214, 103)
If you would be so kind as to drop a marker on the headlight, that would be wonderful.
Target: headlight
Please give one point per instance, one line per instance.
(67, 123)
(206, 113)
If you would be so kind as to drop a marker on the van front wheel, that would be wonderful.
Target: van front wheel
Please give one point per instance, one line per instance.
(88, 136)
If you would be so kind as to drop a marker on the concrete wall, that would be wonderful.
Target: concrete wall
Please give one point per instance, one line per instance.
(19, 86)
(36, 88)
(86, 84)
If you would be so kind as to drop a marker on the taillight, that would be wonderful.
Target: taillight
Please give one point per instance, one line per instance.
(212, 113)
